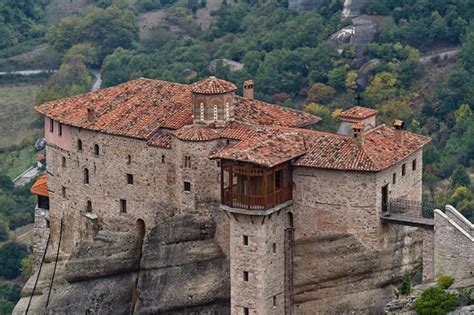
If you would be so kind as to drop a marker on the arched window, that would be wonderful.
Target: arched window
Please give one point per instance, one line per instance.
(89, 206)
(201, 111)
(96, 149)
(79, 145)
(215, 112)
(227, 111)
(86, 176)
(63, 161)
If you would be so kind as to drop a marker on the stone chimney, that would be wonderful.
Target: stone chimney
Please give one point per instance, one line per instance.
(399, 134)
(358, 133)
(248, 89)
(90, 115)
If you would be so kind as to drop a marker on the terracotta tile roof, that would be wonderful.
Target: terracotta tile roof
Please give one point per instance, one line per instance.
(213, 85)
(271, 146)
(140, 108)
(378, 150)
(358, 112)
(237, 131)
(161, 140)
(252, 111)
(267, 147)
(358, 126)
(196, 133)
(40, 187)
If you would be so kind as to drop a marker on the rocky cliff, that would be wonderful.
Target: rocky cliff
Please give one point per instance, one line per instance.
(177, 267)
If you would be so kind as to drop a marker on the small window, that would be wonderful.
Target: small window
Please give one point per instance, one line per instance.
(63, 161)
(130, 179)
(246, 311)
(245, 240)
(187, 186)
(89, 206)
(163, 158)
(51, 125)
(274, 301)
(79, 145)
(218, 163)
(86, 176)
(63, 191)
(413, 165)
(246, 276)
(274, 248)
(404, 166)
(129, 159)
(96, 149)
(394, 178)
(60, 129)
(123, 206)
(187, 161)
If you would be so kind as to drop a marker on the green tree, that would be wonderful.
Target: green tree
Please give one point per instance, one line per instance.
(435, 301)
(3, 231)
(383, 86)
(11, 254)
(460, 178)
(320, 93)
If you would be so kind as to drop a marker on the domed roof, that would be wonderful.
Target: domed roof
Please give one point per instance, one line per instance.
(213, 85)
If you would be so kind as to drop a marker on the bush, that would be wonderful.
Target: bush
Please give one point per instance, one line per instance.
(405, 286)
(435, 301)
(445, 282)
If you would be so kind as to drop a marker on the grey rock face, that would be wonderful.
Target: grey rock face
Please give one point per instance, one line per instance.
(180, 269)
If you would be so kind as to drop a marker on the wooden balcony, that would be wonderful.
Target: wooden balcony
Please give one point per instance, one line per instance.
(255, 188)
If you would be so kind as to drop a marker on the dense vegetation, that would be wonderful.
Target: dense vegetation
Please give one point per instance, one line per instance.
(16, 204)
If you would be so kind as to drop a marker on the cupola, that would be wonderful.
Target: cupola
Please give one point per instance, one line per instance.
(356, 115)
(213, 101)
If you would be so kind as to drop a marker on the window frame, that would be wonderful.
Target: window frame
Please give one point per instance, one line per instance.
(185, 185)
(130, 179)
(123, 206)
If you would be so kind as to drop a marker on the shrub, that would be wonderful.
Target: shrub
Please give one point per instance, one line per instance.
(435, 301)
(11, 254)
(445, 282)
(405, 286)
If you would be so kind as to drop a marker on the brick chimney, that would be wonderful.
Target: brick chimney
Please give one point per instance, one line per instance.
(90, 115)
(399, 135)
(358, 133)
(248, 89)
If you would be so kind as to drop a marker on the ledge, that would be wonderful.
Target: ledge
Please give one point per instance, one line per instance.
(257, 212)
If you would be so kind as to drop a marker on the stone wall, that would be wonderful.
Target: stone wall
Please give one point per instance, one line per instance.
(453, 247)
(264, 260)
(40, 234)
(157, 191)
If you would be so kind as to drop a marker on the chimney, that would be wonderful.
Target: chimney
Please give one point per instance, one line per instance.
(248, 89)
(90, 115)
(398, 125)
(358, 132)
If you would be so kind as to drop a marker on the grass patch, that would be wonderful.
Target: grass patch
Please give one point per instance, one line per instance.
(16, 162)
(19, 122)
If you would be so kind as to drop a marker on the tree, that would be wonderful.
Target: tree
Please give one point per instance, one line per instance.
(116, 67)
(460, 178)
(11, 254)
(3, 231)
(435, 301)
(320, 93)
(329, 122)
(382, 87)
(337, 77)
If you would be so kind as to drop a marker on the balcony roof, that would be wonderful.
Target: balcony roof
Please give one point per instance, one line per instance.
(40, 187)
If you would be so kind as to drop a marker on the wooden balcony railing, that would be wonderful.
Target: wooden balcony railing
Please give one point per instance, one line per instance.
(256, 202)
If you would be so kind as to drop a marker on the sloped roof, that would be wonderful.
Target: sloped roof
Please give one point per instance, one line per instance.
(196, 133)
(358, 113)
(40, 187)
(272, 146)
(213, 85)
(141, 107)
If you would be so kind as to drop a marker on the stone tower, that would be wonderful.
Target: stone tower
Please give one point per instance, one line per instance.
(213, 101)
(261, 233)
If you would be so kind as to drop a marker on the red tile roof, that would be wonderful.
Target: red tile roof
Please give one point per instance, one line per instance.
(272, 146)
(141, 107)
(161, 140)
(213, 85)
(358, 112)
(40, 187)
(196, 133)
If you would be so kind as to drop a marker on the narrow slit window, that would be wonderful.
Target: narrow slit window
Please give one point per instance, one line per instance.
(51, 125)
(163, 158)
(86, 176)
(79, 145)
(274, 301)
(274, 248)
(60, 129)
(245, 240)
(123, 206)
(129, 179)
(89, 206)
(129, 159)
(246, 276)
(96, 149)
(413, 165)
(394, 178)
(404, 169)
(63, 161)
(63, 191)
(187, 161)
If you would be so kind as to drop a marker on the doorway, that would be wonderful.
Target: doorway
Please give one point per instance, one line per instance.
(385, 198)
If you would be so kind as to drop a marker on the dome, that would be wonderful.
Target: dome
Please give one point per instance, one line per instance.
(213, 85)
